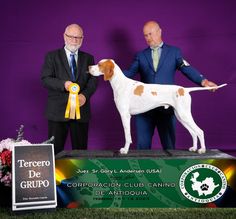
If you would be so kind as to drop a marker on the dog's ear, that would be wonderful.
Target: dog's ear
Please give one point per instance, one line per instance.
(108, 70)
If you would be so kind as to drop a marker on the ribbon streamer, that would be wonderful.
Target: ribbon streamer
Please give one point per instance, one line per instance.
(72, 108)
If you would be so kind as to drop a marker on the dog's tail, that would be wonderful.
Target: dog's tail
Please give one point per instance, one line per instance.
(190, 89)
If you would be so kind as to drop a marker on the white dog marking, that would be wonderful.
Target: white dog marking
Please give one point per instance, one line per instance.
(134, 97)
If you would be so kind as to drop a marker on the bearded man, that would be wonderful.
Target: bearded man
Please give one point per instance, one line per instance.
(61, 68)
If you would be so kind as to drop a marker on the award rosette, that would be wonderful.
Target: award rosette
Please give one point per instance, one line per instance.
(72, 108)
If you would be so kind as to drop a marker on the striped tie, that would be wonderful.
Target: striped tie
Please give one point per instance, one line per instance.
(73, 65)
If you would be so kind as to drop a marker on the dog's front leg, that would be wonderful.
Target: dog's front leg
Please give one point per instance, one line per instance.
(126, 117)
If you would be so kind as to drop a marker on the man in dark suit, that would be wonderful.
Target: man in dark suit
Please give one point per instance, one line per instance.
(158, 64)
(61, 68)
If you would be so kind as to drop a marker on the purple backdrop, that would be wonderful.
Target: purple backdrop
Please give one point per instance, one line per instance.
(204, 30)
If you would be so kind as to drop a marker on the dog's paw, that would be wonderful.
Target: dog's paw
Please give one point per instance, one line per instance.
(193, 149)
(201, 151)
(123, 151)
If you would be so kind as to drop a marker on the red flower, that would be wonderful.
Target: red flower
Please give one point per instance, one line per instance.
(6, 157)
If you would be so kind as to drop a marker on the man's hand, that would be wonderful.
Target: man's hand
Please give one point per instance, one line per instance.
(82, 99)
(67, 84)
(206, 83)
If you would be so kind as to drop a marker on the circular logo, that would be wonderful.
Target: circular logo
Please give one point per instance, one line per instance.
(203, 183)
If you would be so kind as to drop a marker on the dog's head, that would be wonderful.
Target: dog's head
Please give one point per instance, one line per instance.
(104, 67)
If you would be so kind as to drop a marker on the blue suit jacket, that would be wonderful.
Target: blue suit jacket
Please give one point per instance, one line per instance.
(171, 60)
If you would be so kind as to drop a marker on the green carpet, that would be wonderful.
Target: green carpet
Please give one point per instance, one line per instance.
(143, 213)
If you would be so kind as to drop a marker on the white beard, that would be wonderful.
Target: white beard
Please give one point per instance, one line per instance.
(72, 48)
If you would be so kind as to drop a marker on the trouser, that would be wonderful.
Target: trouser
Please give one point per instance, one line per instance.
(162, 119)
(78, 134)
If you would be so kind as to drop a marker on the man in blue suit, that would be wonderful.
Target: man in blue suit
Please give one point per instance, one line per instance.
(158, 64)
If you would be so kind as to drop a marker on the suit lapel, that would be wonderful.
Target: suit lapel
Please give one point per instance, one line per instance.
(148, 55)
(164, 52)
(79, 66)
(65, 62)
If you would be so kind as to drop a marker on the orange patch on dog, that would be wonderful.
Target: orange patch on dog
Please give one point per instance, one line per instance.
(154, 93)
(181, 92)
(139, 90)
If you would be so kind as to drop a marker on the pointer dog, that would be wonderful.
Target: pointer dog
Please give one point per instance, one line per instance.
(134, 97)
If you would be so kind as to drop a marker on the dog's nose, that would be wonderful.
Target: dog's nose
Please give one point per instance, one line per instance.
(89, 69)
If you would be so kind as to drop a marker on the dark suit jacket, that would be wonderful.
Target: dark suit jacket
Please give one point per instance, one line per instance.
(55, 72)
(171, 60)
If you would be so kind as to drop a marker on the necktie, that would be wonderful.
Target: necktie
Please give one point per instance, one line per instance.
(155, 57)
(73, 66)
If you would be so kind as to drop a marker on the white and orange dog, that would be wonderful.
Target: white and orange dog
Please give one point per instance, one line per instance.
(134, 97)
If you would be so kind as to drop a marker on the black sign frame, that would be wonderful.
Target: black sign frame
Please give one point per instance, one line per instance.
(33, 177)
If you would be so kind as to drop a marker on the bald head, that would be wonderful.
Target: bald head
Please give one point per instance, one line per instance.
(151, 24)
(75, 28)
(73, 37)
(152, 33)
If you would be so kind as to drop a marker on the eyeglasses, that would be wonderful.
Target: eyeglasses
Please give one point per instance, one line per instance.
(74, 37)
